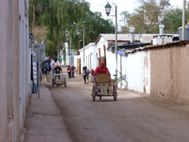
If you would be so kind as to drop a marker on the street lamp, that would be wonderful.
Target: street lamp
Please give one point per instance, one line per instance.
(108, 10)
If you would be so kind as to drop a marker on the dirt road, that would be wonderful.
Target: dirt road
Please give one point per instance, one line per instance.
(133, 118)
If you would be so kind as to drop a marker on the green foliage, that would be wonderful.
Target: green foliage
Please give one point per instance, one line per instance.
(173, 20)
(125, 18)
(145, 17)
(68, 17)
(50, 48)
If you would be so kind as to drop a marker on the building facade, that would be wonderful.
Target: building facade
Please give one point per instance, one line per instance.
(14, 74)
(158, 70)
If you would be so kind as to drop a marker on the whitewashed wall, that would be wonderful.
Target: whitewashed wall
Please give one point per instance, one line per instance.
(100, 45)
(89, 53)
(95, 57)
(111, 62)
(137, 68)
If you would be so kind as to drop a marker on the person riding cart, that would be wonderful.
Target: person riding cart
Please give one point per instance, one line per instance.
(57, 76)
(102, 69)
(102, 84)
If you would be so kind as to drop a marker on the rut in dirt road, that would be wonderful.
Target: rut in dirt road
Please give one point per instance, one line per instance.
(132, 118)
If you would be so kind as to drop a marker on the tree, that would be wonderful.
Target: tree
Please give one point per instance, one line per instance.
(173, 20)
(125, 18)
(145, 17)
(63, 17)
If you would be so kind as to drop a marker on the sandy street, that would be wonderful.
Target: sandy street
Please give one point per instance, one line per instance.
(132, 118)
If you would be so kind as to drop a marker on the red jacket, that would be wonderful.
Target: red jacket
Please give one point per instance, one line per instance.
(102, 69)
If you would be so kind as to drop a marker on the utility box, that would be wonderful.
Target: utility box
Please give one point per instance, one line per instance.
(186, 34)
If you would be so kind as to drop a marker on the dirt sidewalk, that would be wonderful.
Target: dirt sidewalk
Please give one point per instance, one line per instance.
(44, 121)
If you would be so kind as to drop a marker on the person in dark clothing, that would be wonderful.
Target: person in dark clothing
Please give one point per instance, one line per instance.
(46, 66)
(69, 71)
(86, 73)
(72, 71)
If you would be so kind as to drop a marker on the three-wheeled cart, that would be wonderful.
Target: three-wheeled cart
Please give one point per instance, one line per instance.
(103, 86)
(58, 78)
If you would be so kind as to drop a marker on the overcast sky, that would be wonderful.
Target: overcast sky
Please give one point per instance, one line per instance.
(122, 5)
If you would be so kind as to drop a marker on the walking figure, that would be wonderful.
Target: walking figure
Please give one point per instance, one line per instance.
(86, 73)
(72, 71)
(69, 71)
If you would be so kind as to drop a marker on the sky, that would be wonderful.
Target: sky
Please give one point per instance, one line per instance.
(122, 5)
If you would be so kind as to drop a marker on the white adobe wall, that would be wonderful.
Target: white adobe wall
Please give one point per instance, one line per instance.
(89, 53)
(90, 56)
(137, 68)
(100, 45)
(111, 63)
(95, 57)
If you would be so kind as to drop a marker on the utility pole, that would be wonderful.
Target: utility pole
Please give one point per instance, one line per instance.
(183, 19)
(108, 10)
(84, 45)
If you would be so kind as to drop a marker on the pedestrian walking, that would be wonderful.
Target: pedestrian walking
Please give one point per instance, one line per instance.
(69, 71)
(72, 71)
(86, 73)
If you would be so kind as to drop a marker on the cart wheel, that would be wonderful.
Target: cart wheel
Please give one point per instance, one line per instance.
(93, 94)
